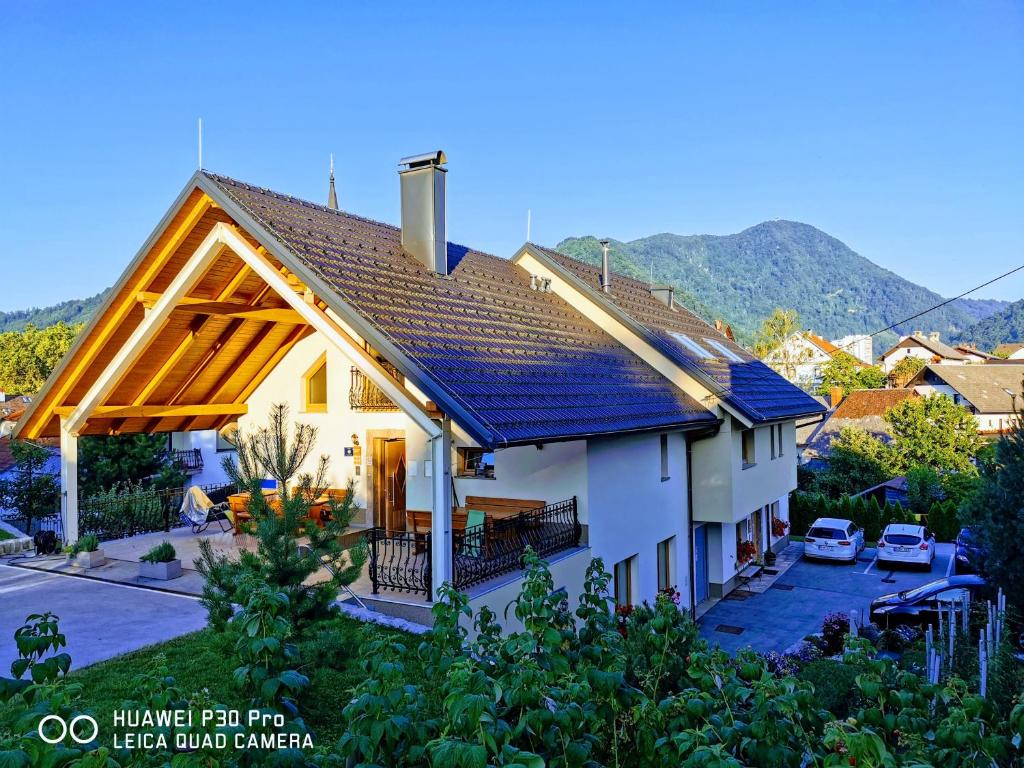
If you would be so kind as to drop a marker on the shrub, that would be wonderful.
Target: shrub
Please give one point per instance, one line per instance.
(835, 685)
(161, 553)
(834, 630)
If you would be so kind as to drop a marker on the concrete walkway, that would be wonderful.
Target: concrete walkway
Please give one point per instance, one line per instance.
(100, 620)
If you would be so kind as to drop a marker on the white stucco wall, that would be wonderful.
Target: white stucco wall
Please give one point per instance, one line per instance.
(631, 509)
(205, 440)
(914, 350)
(336, 425)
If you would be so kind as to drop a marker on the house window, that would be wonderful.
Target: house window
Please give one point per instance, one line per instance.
(476, 462)
(666, 579)
(316, 386)
(778, 438)
(749, 458)
(664, 458)
(623, 577)
(772, 430)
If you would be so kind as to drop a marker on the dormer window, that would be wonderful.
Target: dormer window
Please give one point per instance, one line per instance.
(316, 386)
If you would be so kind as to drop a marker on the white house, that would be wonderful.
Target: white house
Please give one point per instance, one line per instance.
(993, 393)
(802, 358)
(858, 345)
(928, 348)
(451, 386)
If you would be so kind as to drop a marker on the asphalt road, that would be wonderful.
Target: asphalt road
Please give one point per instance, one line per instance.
(100, 620)
(796, 604)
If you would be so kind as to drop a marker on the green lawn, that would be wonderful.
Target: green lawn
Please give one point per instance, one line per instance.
(206, 659)
(4, 534)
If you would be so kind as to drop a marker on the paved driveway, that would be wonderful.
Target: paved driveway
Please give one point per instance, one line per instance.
(100, 620)
(798, 602)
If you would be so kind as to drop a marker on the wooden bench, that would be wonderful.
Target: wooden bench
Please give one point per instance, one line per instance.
(498, 508)
(750, 572)
(419, 524)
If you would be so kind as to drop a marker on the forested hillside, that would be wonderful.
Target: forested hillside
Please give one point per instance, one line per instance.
(1006, 325)
(742, 277)
(71, 312)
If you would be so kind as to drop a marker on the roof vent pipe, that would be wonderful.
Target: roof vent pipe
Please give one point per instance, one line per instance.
(666, 294)
(424, 217)
(606, 275)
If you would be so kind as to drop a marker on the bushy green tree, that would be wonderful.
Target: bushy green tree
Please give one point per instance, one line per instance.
(905, 370)
(848, 373)
(923, 489)
(857, 460)
(30, 488)
(109, 461)
(995, 513)
(279, 561)
(28, 356)
(935, 432)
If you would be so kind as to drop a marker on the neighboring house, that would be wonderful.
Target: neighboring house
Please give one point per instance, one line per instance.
(201, 454)
(973, 354)
(11, 409)
(439, 376)
(858, 345)
(928, 348)
(862, 409)
(892, 491)
(993, 393)
(803, 356)
(1012, 351)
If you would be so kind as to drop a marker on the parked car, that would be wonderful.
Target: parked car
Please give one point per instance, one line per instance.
(830, 538)
(906, 543)
(920, 605)
(968, 552)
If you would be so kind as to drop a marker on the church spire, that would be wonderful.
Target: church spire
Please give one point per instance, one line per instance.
(332, 196)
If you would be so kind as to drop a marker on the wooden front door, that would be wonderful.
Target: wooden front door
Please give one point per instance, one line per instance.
(389, 483)
(759, 531)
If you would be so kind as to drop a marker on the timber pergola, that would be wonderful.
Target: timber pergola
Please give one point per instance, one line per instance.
(201, 317)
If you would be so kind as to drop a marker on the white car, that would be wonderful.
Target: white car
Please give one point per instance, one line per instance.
(907, 543)
(830, 538)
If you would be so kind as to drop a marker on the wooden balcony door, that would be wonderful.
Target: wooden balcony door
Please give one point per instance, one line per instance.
(389, 483)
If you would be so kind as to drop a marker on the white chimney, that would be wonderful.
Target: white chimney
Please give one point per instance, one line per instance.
(666, 294)
(934, 336)
(424, 218)
(606, 274)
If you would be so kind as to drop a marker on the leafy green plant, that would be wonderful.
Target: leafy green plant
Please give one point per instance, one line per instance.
(161, 553)
(87, 543)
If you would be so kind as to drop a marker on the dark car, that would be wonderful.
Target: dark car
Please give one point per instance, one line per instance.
(920, 606)
(968, 552)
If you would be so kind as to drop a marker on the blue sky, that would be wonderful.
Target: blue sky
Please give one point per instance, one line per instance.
(896, 127)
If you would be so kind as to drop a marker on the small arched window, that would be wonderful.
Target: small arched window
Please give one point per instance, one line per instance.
(316, 386)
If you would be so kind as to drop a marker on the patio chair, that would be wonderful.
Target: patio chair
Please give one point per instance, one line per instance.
(199, 512)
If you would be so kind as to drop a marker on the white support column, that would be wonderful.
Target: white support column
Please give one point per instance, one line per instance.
(68, 483)
(441, 516)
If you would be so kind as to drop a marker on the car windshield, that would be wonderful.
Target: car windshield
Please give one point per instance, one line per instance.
(924, 590)
(902, 539)
(826, 533)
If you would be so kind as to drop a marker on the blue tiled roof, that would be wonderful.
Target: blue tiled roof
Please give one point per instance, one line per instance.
(524, 365)
(747, 385)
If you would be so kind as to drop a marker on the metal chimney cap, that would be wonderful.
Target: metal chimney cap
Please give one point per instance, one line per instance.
(437, 157)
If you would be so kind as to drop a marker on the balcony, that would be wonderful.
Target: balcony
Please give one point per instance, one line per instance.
(365, 396)
(189, 460)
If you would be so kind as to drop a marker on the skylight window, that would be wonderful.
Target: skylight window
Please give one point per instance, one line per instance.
(691, 345)
(726, 352)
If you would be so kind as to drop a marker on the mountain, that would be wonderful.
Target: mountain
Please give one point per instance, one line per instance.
(741, 278)
(1006, 325)
(73, 311)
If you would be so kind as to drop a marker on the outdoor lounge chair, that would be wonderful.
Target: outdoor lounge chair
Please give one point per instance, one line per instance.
(199, 512)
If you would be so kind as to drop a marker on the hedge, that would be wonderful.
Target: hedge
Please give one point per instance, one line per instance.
(805, 508)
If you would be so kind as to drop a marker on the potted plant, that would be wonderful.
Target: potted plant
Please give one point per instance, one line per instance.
(779, 527)
(88, 553)
(745, 552)
(161, 562)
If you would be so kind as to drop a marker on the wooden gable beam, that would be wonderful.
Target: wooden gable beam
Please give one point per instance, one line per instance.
(88, 354)
(107, 381)
(158, 411)
(242, 312)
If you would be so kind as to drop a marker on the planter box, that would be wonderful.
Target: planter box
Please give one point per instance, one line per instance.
(160, 571)
(91, 559)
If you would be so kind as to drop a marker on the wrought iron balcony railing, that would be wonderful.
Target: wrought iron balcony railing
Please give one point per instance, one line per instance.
(189, 459)
(364, 395)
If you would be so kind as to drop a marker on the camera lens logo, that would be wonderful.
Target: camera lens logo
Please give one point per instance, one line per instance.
(77, 729)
